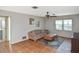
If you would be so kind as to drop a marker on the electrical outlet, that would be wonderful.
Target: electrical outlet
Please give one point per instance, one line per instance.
(24, 37)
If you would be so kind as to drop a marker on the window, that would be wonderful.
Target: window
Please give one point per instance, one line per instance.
(68, 25)
(58, 24)
(64, 25)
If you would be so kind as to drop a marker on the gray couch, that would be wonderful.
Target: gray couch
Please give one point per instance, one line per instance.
(37, 34)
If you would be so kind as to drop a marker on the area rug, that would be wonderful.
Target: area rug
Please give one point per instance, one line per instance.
(56, 43)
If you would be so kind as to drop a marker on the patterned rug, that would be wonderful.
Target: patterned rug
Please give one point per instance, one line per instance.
(56, 43)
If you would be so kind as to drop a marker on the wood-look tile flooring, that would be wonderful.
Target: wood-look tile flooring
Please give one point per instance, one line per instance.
(27, 46)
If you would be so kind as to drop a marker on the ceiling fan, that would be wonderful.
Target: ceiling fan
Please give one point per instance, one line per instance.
(47, 15)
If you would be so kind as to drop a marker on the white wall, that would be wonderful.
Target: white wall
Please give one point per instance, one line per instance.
(50, 25)
(20, 25)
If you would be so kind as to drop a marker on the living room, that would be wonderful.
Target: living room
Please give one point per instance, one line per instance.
(35, 18)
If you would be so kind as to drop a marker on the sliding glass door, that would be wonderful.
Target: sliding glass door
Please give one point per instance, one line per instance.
(2, 28)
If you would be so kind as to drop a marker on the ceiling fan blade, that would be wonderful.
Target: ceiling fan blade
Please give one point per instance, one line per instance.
(53, 16)
(47, 15)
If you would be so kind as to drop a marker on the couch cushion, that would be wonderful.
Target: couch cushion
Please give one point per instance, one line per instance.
(37, 34)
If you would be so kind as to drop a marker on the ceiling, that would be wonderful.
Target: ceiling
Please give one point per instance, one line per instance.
(41, 11)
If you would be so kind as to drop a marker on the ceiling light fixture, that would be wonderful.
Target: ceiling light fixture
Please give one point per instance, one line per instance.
(47, 15)
(35, 7)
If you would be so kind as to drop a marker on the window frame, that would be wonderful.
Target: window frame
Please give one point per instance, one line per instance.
(63, 25)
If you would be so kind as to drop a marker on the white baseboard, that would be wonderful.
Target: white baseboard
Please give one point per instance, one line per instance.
(17, 41)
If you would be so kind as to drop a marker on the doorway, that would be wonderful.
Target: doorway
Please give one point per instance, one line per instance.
(3, 28)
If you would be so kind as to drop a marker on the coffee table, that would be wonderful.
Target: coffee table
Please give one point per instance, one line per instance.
(50, 37)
